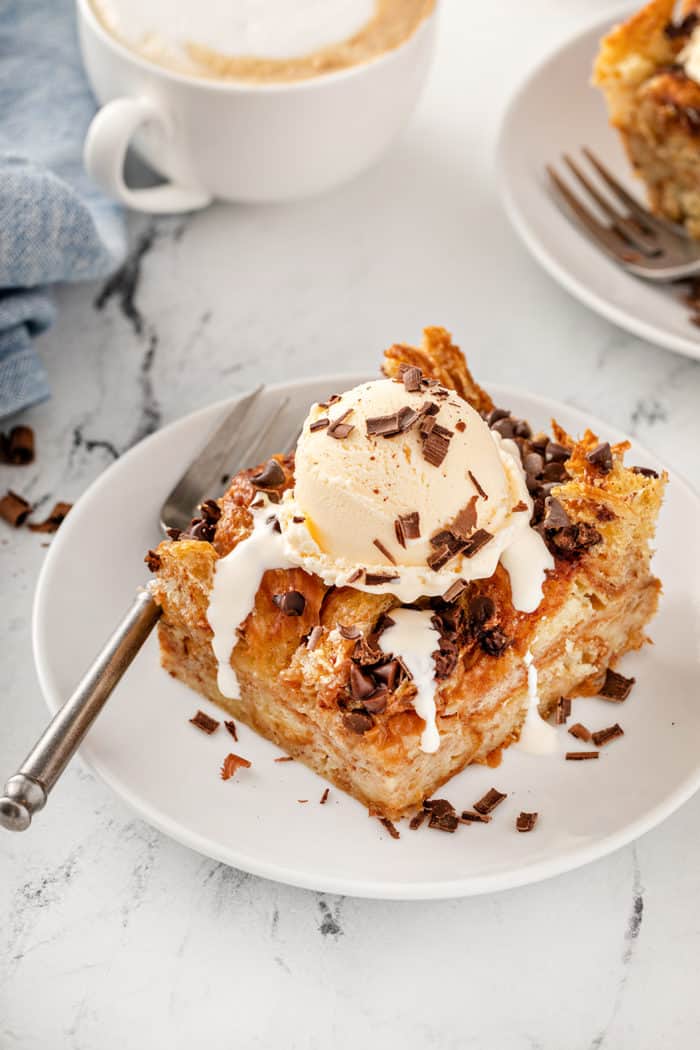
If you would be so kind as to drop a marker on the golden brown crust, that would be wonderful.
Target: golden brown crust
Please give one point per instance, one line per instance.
(595, 607)
(438, 358)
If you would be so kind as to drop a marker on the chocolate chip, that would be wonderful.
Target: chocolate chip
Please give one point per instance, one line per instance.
(504, 427)
(14, 509)
(270, 477)
(489, 801)
(210, 509)
(601, 457)
(555, 516)
(533, 463)
(646, 472)
(554, 471)
(202, 530)
(174, 534)
(496, 414)
(358, 722)
(377, 703)
(291, 603)
(361, 685)
(525, 821)
(388, 673)
(522, 429)
(571, 542)
(604, 736)
(205, 722)
(616, 687)
(556, 453)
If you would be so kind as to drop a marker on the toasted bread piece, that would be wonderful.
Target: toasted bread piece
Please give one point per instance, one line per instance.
(597, 602)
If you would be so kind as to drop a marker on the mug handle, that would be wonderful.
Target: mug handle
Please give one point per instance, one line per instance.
(106, 143)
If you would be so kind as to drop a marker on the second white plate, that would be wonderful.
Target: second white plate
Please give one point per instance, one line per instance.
(557, 111)
(144, 747)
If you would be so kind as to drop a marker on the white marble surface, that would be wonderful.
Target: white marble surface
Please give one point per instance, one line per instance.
(112, 936)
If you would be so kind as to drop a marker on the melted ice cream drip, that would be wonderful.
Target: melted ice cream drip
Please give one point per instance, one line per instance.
(537, 736)
(237, 578)
(414, 639)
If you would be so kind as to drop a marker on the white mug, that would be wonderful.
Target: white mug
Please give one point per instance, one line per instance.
(241, 141)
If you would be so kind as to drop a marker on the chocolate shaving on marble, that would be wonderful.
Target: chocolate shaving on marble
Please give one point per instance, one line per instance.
(17, 447)
(616, 687)
(14, 509)
(390, 827)
(315, 635)
(525, 821)
(205, 722)
(284, 758)
(601, 457)
(385, 551)
(604, 736)
(418, 819)
(270, 477)
(324, 797)
(446, 822)
(580, 732)
(230, 726)
(291, 603)
(54, 521)
(581, 756)
(490, 800)
(319, 424)
(563, 710)
(471, 816)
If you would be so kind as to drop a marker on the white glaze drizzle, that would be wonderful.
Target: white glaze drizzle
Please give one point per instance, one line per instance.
(414, 639)
(537, 737)
(237, 577)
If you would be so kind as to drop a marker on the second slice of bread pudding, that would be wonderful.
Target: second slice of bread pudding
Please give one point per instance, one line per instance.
(312, 673)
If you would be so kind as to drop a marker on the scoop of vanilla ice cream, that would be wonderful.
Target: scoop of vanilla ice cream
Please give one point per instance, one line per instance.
(350, 491)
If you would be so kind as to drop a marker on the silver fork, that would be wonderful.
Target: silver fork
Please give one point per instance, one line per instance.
(642, 243)
(244, 436)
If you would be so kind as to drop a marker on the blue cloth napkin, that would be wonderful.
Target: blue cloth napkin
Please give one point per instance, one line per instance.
(54, 223)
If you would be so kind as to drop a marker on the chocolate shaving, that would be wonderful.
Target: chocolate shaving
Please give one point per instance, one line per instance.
(465, 521)
(332, 400)
(324, 797)
(205, 722)
(412, 377)
(350, 633)
(616, 687)
(435, 447)
(601, 457)
(677, 30)
(291, 603)
(447, 822)
(580, 732)
(604, 736)
(231, 727)
(270, 477)
(383, 426)
(406, 417)
(526, 821)
(418, 819)
(314, 638)
(319, 424)
(14, 509)
(470, 816)
(461, 426)
(563, 710)
(54, 521)
(358, 722)
(152, 560)
(407, 527)
(454, 590)
(581, 756)
(387, 553)
(439, 558)
(490, 800)
(438, 806)
(17, 447)
(390, 827)
(519, 506)
(340, 431)
(355, 576)
(373, 579)
(231, 764)
(476, 541)
(284, 758)
(646, 472)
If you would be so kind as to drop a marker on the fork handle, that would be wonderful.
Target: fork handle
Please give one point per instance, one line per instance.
(26, 792)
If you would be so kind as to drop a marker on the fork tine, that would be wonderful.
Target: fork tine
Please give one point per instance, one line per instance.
(604, 236)
(639, 211)
(630, 229)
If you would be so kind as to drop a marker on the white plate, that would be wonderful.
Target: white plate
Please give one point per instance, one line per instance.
(145, 749)
(556, 110)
